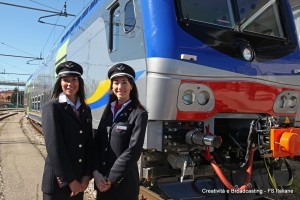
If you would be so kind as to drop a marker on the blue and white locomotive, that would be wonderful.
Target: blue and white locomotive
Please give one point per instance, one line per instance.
(220, 79)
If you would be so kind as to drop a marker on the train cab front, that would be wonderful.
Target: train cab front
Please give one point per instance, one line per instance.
(224, 136)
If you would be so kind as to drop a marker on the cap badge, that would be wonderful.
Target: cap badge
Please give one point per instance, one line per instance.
(121, 68)
(68, 66)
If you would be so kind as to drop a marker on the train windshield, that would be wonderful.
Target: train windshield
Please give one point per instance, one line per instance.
(296, 12)
(257, 16)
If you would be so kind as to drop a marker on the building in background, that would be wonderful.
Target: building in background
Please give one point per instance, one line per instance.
(5, 96)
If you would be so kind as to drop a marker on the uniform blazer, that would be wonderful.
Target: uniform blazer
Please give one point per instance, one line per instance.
(69, 144)
(118, 148)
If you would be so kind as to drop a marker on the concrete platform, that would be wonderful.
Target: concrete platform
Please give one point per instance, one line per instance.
(21, 163)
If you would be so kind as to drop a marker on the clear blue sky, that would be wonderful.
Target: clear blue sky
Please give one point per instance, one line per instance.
(22, 35)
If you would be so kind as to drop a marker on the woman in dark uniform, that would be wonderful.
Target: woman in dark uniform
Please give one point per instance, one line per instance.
(119, 139)
(67, 128)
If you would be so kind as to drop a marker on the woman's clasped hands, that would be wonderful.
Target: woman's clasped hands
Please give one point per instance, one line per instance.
(77, 187)
(101, 182)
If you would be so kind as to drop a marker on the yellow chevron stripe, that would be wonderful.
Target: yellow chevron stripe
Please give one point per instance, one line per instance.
(102, 88)
(61, 53)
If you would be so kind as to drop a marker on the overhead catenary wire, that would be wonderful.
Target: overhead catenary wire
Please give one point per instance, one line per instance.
(19, 56)
(16, 56)
(48, 9)
(43, 5)
(20, 6)
(62, 13)
(15, 48)
(66, 25)
(56, 13)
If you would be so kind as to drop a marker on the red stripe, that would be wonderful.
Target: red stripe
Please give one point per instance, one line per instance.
(237, 97)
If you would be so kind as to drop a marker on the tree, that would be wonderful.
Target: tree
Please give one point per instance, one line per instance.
(13, 98)
(16, 93)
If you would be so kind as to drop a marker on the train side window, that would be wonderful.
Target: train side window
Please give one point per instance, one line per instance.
(31, 103)
(115, 24)
(35, 103)
(129, 17)
(39, 103)
(42, 100)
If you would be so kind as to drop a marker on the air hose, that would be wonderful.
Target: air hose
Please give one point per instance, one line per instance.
(247, 178)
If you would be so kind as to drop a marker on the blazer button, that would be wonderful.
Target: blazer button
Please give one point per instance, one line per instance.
(80, 160)
(80, 145)
(105, 149)
(103, 163)
(80, 131)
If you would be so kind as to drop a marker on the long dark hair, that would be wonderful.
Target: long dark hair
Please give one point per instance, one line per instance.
(57, 90)
(134, 96)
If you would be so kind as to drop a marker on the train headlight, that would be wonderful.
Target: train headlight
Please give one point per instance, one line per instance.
(247, 52)
(292, 102)
(203, 98)
(188, 97)
(193, 97)
(287, 102)
(282, 101)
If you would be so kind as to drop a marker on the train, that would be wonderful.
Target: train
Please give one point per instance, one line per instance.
(220, 80)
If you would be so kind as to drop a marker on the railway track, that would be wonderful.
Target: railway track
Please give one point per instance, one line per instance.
(5, 114)
(36, 126)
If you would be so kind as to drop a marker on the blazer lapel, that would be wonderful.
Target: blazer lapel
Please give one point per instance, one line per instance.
(124, 114)
(69, 109)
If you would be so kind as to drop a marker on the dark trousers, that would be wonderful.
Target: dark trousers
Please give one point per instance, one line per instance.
(63, 194)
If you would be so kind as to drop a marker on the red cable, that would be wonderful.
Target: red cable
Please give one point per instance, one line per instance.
(224, 179)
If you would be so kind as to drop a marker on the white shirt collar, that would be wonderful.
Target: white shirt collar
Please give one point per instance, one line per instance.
(64, 99)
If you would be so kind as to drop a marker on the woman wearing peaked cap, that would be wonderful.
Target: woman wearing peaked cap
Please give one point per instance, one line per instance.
(119, 139)
(67, 128)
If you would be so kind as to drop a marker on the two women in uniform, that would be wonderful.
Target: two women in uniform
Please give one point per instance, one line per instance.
(118, 143)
